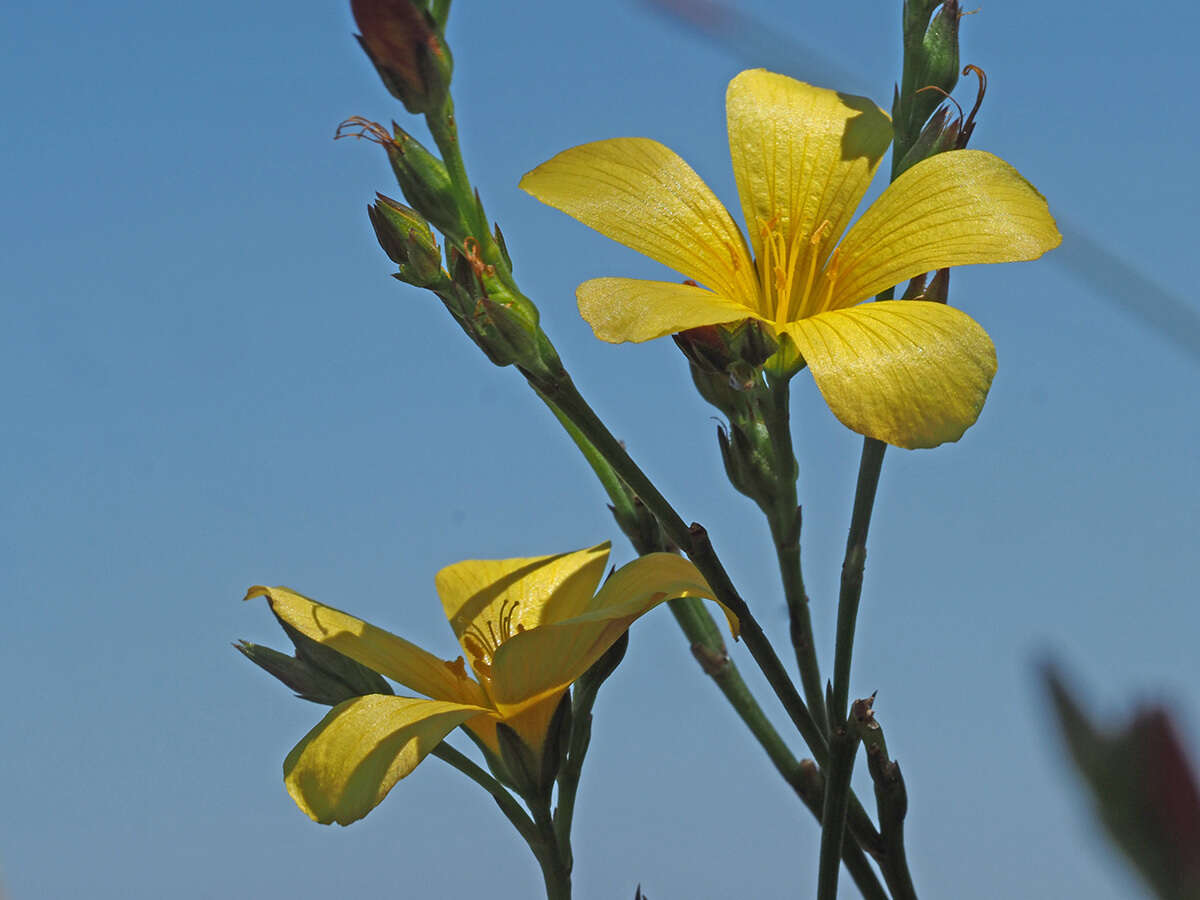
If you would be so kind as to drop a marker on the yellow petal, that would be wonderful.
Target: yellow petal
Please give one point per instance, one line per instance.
(344, 767)
(628, 309)
(544, 588)
(908, 372)
(489, 600)
(954, 209)
(536, 664)
(638, 192)
(802, 156)
(375, 648)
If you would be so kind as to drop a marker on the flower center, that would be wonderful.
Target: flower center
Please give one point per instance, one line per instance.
(787, 273)
(485, 636)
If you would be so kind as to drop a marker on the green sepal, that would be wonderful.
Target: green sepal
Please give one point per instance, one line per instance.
(558, 742)
(520, 763)
(588, 685)
(786, 361)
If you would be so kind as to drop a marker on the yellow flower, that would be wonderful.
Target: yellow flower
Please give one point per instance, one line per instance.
(912, 373)
(529, 627)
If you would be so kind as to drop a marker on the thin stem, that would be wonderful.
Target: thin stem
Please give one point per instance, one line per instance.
(852, 572)
(507, 802)
(708, 647)
(784, 521)
(844, 745)
(694, 541)
(556, 868)
(538, 832)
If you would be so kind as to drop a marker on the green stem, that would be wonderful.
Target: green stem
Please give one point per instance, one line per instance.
(444, 128)
(837, 792)
(508, 804)
(694, 541)
(556, 868)
(784, 521)
(708, 647)
(843, 745)
(538, 832)
(852, 572)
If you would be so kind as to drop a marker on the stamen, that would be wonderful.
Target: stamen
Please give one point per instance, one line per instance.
(813, 241)
(483, 639)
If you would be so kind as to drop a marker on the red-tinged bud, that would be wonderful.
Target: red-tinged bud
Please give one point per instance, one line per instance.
(1145, 790)
(726, 359)
(406, 47)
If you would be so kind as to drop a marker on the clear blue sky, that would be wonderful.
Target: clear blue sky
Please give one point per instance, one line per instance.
(211, 381)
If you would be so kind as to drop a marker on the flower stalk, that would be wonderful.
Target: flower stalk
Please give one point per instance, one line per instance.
(708, 647)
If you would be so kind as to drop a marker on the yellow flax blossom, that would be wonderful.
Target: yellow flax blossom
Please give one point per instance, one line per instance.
(911, 373)
(528, 627)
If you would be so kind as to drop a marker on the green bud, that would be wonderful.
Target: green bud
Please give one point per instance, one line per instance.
(309, 682)
(408, 241)
(406, 47)
(589, 682)
(327, 678)
(938, 136)
(425, 182)
(930, 68)
(502, 321)
(916, 15)
(746, 450)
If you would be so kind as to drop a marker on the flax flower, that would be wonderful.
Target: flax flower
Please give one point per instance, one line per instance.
(529, 628)
(912, 373)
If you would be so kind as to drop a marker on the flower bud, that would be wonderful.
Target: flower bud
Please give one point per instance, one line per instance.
(404, 44)
(930, 68)
(1146, 792)
(316, 673)
(936, 137)
(425, 182)
(726, 360)
(501, 320)
(408, 241)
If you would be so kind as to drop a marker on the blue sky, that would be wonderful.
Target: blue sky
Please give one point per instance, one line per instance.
(212, 382)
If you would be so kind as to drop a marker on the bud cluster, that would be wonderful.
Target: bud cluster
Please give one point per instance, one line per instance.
(407, 46)
(930, 68)
(728, 365)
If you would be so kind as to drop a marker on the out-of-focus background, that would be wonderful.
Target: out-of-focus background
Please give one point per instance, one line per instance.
(210, 381)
